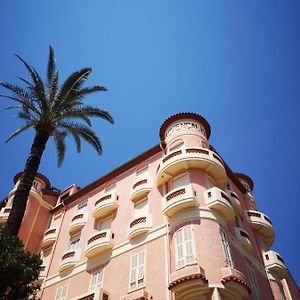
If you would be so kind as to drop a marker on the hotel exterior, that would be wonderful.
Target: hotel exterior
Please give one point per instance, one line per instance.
(174, 223)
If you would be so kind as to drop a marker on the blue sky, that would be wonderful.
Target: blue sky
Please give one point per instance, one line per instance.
(237, 63)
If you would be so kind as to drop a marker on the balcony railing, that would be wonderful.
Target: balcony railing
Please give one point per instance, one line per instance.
(105, 205)
(218, 200)
(50, 237)
(179, 199)
(180, 160)
(77, 222)
(140, 226)
(243, 238)
(141, 188)
(4, 213)
(99, 242)
(261, 223)
(69, 259)
(274, 263)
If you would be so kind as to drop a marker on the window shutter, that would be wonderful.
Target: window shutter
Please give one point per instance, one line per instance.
(106, 224)
(133, 275)
(226, 249)
(64, 292)
(141, 209)
(181, 181)
(140, 277)
(189, 254)
(142, 173)
(179, 248)
(253, 283)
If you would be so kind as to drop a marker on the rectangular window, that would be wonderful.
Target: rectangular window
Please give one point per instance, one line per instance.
(180, 181)
(253, 284)
(74, 242)
(137, 270)
(105, 224)
(141, 208)
(185, 253)
(82, 207)
(110, 189)
(55, 221)
(61, 293)
(142, 173)
(226, 249)
(96, 280)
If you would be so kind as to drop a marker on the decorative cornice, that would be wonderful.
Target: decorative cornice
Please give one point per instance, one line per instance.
(180, 116)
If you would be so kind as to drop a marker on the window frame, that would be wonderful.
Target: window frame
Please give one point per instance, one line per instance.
(136, 287)
(228, 258)
(98, 285)
(72, 239)
(60, 288)
(256, 294)
(184, 247)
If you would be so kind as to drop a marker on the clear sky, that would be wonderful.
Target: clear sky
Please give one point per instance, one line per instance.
(237, 63)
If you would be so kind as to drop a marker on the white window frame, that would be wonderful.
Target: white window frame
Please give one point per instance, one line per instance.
(226, 248)
(104, 220)
(135, 284)
(253, 283)
(135, 211)
(59, 290)
(178, 177)
(99, 283)
(184, 247)
(142, 173)
(71, 241)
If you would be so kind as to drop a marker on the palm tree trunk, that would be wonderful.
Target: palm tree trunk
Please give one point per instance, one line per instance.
(15, 218)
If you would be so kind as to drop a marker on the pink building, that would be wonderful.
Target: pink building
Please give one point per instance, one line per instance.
(174, 223)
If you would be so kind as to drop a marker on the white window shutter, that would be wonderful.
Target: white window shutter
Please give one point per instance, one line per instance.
(189, 253)
(64, 292)
(142, 173)
(179, 248)
(181, 181)
(141, 209)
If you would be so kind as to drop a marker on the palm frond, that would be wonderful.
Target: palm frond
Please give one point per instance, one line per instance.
(18, 131)
(92, 111)
(10, 107)
(59, 139)
(86, 133)
(51, 66)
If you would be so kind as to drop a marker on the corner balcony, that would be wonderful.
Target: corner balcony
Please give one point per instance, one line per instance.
(50, 237)
(188, 283)
(179, 199)
(99, 242)
(186, 158)
(4, 213)
(141, 189)
(77, 222)
(140, 226)
(243, 238)
(235, 283)
(234, 199)
(218, 200)
(105, 205)
(274, 263)
(261, 223)
(69, 259)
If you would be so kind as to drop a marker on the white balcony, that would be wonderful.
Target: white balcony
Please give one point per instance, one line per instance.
(218, 200)
(69, 259)
(105, 205)
(4, 213)
(140, 226)
(274, 263)
(50, 237)
(185, 158)
(261, 223)
(243, 238)
(179, 199)
(77, 222)
(141, 189)
(99, 242)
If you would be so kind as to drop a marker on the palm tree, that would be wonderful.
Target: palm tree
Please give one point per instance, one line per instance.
(52, 110)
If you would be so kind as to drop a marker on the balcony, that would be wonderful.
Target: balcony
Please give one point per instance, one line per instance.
(140, 226)
(234, 199)
(179, 199)
(235, 283)
(188, 282)
(50, 237)
(261, 223)
(141, 189)
(186, 158)
(140, 294)
(4, 213)
(218, 200)
(243, 238)
(77, 222)
(105, 205)
(99, 242)
(275, 264)
(69, 259)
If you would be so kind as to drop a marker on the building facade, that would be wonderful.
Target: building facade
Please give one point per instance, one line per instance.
(174, 223)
